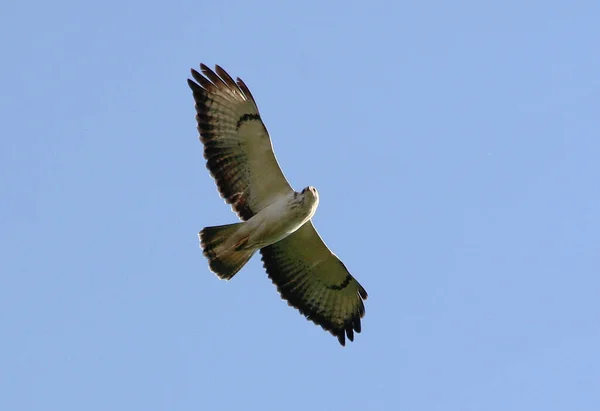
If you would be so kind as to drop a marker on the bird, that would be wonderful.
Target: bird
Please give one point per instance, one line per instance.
(275, 219)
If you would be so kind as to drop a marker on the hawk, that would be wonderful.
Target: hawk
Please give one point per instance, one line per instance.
(276, 220)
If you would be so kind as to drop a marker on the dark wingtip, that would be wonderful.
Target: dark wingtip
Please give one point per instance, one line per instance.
(192, 84)
(350, 332)
(362, 292)
(357, 325)
(195, 74)
(204, 68)
(220, 71)
(245, 90)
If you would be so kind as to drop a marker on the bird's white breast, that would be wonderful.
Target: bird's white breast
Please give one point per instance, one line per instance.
(279, 220)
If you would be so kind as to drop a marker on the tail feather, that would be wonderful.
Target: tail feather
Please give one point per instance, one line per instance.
(225, 263)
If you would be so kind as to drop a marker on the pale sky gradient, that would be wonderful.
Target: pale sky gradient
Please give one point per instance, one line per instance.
(456, 150)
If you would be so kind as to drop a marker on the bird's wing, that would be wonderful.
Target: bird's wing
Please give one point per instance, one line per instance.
(314, 280)
(237, 147)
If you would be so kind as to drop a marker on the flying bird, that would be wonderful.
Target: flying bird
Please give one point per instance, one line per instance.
(276, 220)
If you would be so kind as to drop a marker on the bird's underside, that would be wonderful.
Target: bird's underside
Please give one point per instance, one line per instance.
(275, 218)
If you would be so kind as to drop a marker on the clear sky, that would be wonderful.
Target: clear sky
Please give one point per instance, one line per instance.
(456, 149)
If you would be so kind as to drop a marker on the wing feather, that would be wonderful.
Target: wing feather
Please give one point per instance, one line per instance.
(237, 146)
(316, 282)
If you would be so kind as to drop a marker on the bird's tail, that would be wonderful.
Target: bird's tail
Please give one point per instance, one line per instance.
(223, 260)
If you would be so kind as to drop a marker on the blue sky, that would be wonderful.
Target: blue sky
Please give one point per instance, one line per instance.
(455, 147)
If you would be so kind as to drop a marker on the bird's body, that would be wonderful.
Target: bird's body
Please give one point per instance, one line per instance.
(270, 225)
(280, 219)
(276, 219)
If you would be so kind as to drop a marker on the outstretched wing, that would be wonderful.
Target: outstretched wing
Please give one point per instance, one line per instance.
(312, 279)
(237, 147)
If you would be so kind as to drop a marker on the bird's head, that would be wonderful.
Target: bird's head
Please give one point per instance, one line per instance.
(311, 195)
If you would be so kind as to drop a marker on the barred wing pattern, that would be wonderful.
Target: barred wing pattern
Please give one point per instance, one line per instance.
(313, 280)
(237, 147)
